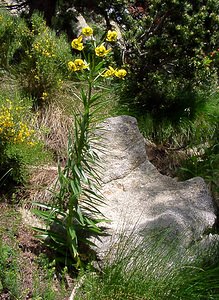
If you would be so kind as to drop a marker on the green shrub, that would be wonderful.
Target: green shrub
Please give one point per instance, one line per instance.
(204, 164)
(43, 66)
(165, 45)
(18, 143)
(35, 54)
(10, 37)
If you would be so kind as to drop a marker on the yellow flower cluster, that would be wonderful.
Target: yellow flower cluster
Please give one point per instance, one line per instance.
(44, 46)
(110, 72)
(100, 51)
(11, 129)
(78, 42)
(77, 65)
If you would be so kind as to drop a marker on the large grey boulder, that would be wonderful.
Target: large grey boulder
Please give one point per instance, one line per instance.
(139, 199)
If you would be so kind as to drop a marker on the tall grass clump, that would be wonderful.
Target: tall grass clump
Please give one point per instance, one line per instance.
(203, 156)
(153, 270)
(73, 217)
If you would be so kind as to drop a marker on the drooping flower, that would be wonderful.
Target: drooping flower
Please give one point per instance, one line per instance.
(102, 51)
(109, 72)
(77, 44)
(80, 64)
(111, 36)
(87, 31)
(121, 73)
(71, 66)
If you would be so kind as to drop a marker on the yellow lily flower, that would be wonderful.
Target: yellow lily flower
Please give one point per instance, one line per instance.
(121, 73)
(80, 64)
(71, 66)
(110, 72)
(112, 36)
(87, 31)
(77, 43)
(102, 51)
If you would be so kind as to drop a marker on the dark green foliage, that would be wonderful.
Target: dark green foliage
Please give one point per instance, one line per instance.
(205, 165)
(12, 163)
(9, 42)
(204, 160)
(165, 46)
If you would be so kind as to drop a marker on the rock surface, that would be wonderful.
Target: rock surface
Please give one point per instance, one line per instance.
(140, 199)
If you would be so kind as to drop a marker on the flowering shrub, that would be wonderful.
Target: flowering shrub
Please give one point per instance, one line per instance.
(35, 53)
(18, 143)
(14, 33)
(12, 128)
(43, 66)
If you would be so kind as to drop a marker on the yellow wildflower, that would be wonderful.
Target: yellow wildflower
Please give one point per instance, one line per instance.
(36, 77)
(102, 51)
(44, 96)
(112, 36)
(46, 53)
(121, 73)
(80, 64)
(72, 66)
(87, 31)
(36, 46)
(31, 143)
(77, 43)
(110, 72)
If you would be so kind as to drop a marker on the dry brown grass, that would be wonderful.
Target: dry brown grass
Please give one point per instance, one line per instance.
(166, 161)
(53, 126)
(41, 184)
